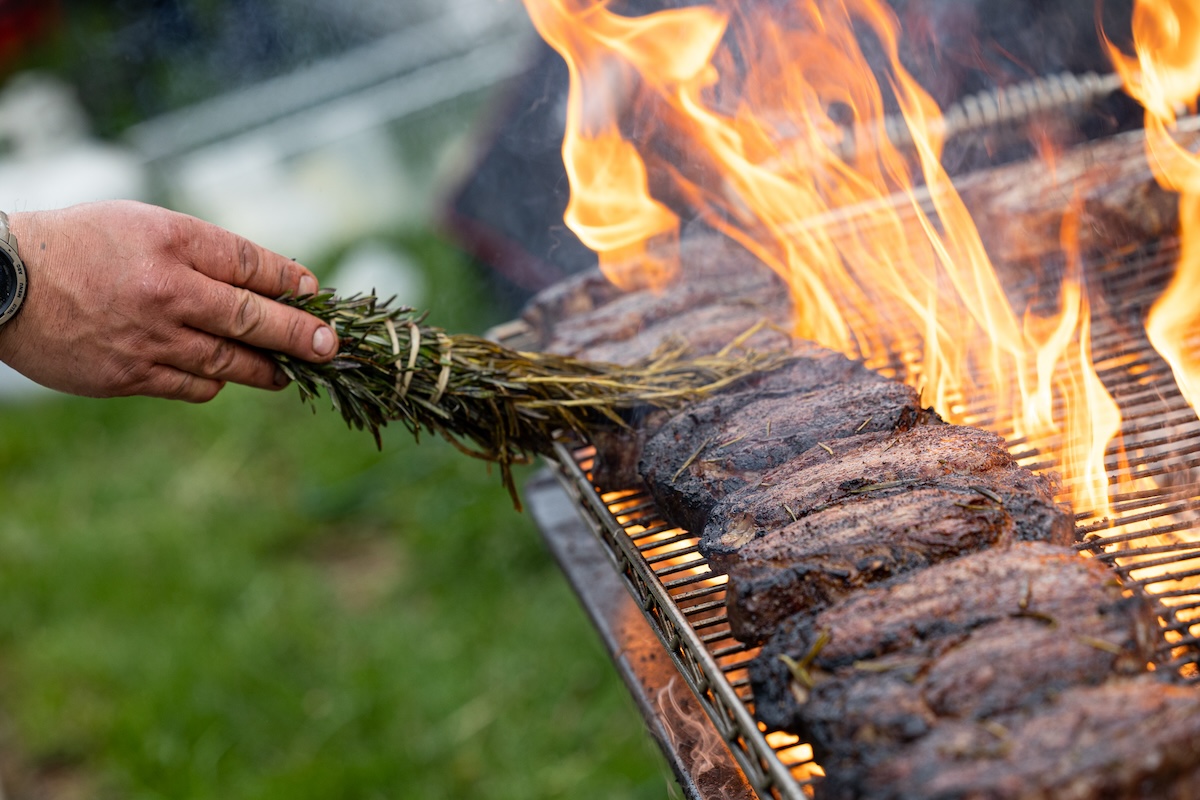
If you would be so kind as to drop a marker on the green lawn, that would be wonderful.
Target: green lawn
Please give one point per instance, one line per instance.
(247, 600)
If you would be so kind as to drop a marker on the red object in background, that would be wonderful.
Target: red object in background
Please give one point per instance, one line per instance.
(23, 23)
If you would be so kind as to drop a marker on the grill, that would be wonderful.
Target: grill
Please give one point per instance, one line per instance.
(1152, 540)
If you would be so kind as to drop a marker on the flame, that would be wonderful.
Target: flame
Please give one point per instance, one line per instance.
(610, 208)
(1164, 75)
(790, 155)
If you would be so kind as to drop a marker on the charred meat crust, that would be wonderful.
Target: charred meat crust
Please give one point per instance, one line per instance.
(639, 320)
(827, 555)
(702, 331)
(1129, 738)
(984, 636)
(727, 442)
(877, 465)
(588, 301)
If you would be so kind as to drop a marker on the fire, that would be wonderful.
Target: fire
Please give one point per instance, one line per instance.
(769, 123)
(1163, 76)
(610, 209)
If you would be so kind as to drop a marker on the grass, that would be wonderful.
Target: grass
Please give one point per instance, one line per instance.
(244, 600)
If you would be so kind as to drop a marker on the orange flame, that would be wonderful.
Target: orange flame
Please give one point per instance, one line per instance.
(790, 156)
(610, 209)
(1163, 76)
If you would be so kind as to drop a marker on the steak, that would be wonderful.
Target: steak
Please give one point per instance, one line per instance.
(1019, 208)
(710, 266)
(703, 331)
(713, 276)
(1128, 738)
(728, 441)
(949, 599)
(828, 554)
(973, 639)
(874, 465)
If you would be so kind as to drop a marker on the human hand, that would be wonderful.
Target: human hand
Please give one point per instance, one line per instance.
(126, 298)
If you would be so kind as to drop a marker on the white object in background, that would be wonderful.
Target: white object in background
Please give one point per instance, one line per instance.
(374, 267)
(301, 205)
(49, 158)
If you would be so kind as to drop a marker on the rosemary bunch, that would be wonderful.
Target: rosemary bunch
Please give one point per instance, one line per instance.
(491, 402)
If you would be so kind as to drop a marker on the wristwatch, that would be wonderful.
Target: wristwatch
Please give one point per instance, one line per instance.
(13, 282)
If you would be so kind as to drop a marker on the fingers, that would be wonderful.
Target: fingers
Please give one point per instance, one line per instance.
(171, 383)
(231, 259)
(236, 302)
(216, 359)
(232, 313)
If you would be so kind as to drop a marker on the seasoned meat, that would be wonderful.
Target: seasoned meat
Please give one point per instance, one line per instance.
(600, 334)
(714, 272)
(728, 441)
(875, 465)
(1019, 208)
(860, 541)
(972, 639)
(1128, 738)
(704, 330)
(950, 598)
(577, 295)
(711, 267)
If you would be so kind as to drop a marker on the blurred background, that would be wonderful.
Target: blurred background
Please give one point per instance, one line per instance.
(245, 599)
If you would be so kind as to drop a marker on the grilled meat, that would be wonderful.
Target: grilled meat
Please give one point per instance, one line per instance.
(1019, 208)
(713, 276)
(712, 269)
(702, 331)
(1128, 738)
(578, 295)
(753, 324)
(875, 465)
(823, 557)
(726, 442)
(975, 639)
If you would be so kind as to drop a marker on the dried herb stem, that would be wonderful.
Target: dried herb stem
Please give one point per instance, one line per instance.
(491, 402)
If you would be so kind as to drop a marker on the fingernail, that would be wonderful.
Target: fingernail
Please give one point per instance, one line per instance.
(324, 341)
(281, 378)
(308, 285)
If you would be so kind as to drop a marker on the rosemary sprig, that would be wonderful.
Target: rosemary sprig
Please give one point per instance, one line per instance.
(491, 402)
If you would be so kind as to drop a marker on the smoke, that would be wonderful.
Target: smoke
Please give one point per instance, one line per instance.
(698, 744)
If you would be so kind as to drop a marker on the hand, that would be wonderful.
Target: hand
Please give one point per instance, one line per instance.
(126, 298)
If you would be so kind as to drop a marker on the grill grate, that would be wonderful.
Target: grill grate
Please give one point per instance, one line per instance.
(1152, 540)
